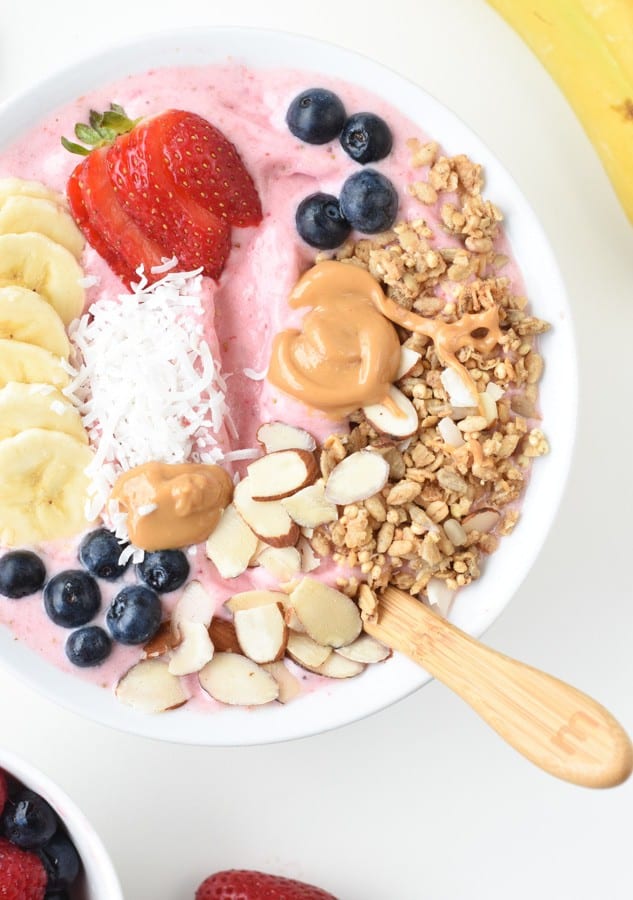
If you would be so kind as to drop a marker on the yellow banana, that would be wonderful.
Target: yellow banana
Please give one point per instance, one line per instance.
(587, 47)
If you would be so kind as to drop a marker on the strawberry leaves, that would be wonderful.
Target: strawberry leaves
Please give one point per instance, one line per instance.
(102, 130)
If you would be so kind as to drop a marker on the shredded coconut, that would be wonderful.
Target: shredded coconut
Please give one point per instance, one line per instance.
(58, 407)
(236, 455)
(147, 509)
(88, 281)
(255, 376)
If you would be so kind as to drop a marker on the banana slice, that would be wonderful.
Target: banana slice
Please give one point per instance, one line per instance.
(29, 364)
(21, 213)
(25, 316)
(43, 489)
(11, 187)
(24, 406)
(36, 262)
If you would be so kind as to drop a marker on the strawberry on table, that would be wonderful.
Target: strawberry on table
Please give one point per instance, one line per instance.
(22, 875)
(242, 884)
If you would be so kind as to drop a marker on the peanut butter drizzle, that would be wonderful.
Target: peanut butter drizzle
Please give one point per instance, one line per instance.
(347, 354)
(188, 500)
(344, 358)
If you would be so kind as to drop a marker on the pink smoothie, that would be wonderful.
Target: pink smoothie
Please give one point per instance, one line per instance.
(248, 306)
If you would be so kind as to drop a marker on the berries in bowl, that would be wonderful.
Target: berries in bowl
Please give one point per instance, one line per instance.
(48, 849)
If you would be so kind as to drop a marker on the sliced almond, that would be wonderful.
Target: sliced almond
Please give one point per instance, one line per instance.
(440, 596)
(262, 632)
(267, 518)
(282, 562)
(238, 681)
(289, 686)
(194, 651)
(357, 477)
(196, 605)
(232, 544)
(337, 666)
(279, 436)
(281, 473)
(399, 418)
(310, 507)
(252, 599)
(306, 652)
(162, 642)
(483, 520)
(330, 617)
(309, 560)
(150, 687)
(459, 392)
(223, 636)
(408, 359)
(365, 649)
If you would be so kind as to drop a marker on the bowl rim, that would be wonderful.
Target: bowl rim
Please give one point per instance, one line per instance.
(95, 858)
(248, 727)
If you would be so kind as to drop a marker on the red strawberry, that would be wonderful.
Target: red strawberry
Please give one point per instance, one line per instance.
(168, 214)
(22, 875)
(4, 790)
(241, 884)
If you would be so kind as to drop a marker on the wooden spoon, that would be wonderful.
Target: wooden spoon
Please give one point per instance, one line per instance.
(554, 725)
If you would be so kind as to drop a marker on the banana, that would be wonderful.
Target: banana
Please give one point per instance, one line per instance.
(24, 406)
(44, 487)
(36, 262)
(587, 47)
(25, 316)
(21, 213)
(29, 364)
(10, 187)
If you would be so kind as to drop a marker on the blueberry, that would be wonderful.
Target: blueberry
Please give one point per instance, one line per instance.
(61, 861)
(369, 201)
(99, 552)
(72, 598)
(21, 573)
(315, 116)
(88, 646)
(164, 570)
(134, 615)
(28, 820)
(366, 138)
(320, 222)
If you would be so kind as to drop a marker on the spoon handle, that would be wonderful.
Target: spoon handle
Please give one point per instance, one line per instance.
(554, 725)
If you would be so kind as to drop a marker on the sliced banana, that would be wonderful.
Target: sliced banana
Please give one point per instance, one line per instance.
(43, 488)
(29, 364)
(12, 187)
(24, 406)
(25, 316)
(21, 213)
(34, 261)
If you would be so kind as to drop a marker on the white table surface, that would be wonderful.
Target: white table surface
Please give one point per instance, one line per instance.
(422, 801)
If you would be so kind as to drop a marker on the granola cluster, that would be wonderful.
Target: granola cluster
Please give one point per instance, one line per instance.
(427, 521)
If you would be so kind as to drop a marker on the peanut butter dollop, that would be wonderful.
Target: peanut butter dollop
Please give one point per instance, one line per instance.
(172, 505)
(347, 353)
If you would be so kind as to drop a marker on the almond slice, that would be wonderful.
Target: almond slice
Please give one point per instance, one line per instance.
(232, 544)
(357, 477)
(252, 599)
(408, 359)
(194, 651)
(194, 606)
(384, 418)
(289, 686)
(262, 632)
(278, 436)
(281, 474)
(150, 687)
(223, 637)
(309, 560)
(267, 518)
(162, 642)
(440, 596)
(310, 507)
(365, 649)
(337, 666)
(459, 393)
(306, 652)
(328, 616)
(483, 520)
(282, 562)
(237, 681)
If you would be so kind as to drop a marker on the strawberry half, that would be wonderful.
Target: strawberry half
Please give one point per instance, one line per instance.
(22, 875)
(242, 884)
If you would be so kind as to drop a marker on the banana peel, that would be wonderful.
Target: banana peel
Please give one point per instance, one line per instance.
(587, 47)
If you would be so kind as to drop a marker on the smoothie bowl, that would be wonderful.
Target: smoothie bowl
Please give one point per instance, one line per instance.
(277, 331)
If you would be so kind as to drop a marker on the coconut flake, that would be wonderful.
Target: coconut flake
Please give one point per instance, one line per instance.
(88, 281)
(236, 455)
(255, 376)
(459, 393)
(451, 434)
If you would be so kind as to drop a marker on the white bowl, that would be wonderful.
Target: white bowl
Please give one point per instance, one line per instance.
(99, 880)
(478, 606)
